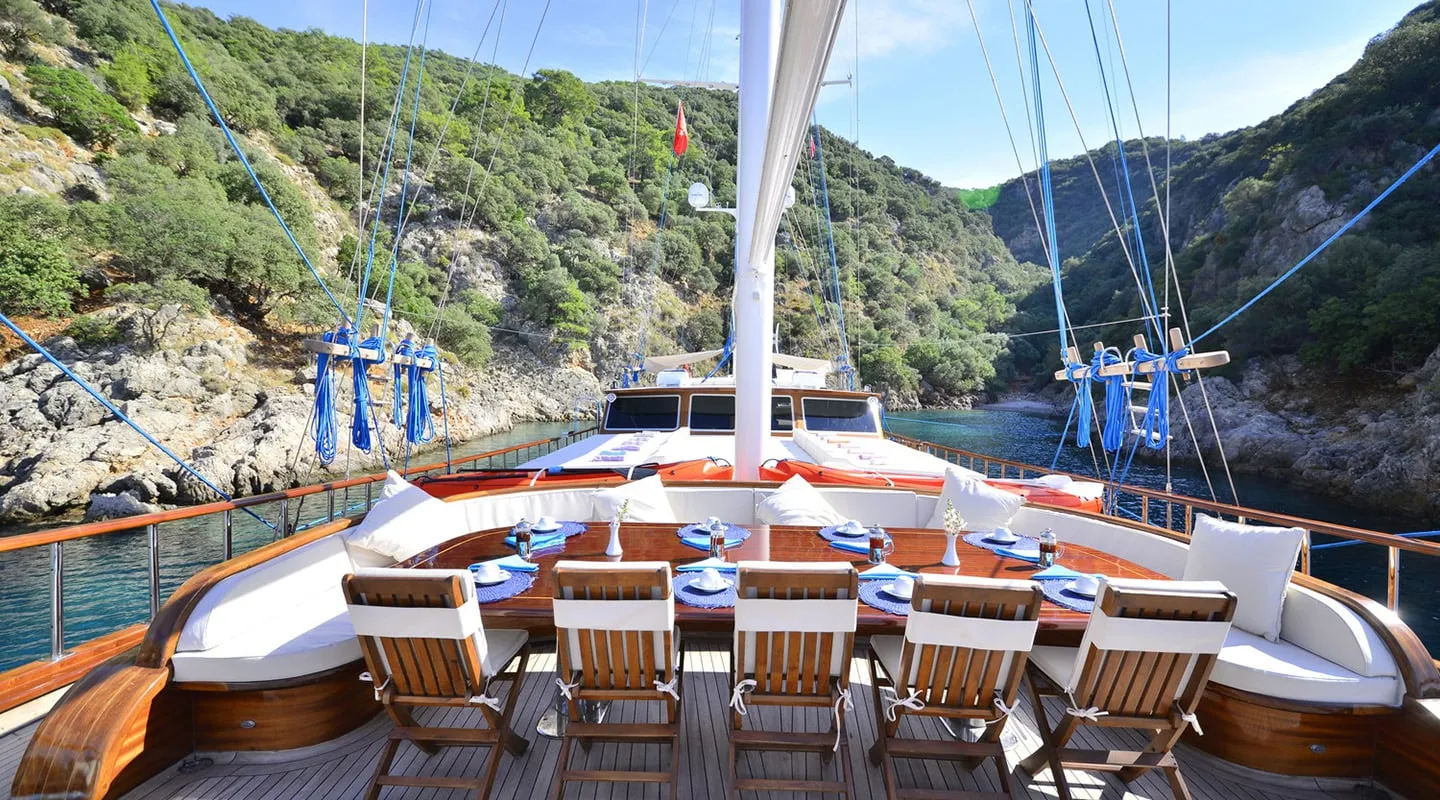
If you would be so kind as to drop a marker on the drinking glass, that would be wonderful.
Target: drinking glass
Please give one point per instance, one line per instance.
(881, 545)
(522, 539)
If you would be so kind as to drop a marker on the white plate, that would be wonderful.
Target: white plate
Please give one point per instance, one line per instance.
(839, 531)
(543, 531)
(890, 589)
(1012, 539)
(699, 587)
(1073, 588)
(504, 576)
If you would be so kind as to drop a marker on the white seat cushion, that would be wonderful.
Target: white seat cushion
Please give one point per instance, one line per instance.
(983, 506)
(297, 590)
(888, 650)
(1289, 672)
(403, 522)
(698, 503)
(1253, 561)
(1056, 662)
(504, 510)
(647, 498)
(501, 645)
(889, 508)
(796, 502)
(273, 652)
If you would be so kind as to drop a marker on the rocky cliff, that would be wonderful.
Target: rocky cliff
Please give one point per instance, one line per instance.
(237, 408)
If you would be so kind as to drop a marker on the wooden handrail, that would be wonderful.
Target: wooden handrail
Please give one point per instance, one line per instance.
(1286, 520)
(90, 529)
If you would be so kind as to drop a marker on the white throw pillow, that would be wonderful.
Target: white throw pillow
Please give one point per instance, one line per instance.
(796, 502)
(404, 521)
(1253, 561)
(648, 501)
(984, 507)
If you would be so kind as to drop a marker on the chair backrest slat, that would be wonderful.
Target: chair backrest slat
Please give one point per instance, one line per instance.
(637, 645)
(821, 599)
(416, 664)
(1151, 645)
(946, 663)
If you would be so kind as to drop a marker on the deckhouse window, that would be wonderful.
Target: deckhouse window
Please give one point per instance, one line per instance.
(712, 412)
(643, 412)
(782, 413)
(851, 416)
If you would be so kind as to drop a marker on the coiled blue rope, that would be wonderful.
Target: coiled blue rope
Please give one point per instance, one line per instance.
(1117, 400)
(363, 421)
(1084, 402)
(326, 427)
(419, 425)
(397, 400)
(1155, 427)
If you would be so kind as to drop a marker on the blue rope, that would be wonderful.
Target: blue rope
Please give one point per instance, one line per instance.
(1054, 462)
(120, 415)
(240, 154)
(1128, 195)
(844, 343)
(387, 155)
(405, 176)
(1046, 196)
(397, 400)
(362, 420)
(1336, 235)
(326, 427)
(1084, 402)
(1353, 542)
(1155, 428)
(419, 425)
(1117, 400)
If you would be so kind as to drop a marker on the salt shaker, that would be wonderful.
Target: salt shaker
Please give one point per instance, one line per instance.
(1047, 548)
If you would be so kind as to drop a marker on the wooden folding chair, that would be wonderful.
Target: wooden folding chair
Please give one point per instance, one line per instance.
(794, 637)
(616, 641)
(962, 658)
(424, 645)
(1143, 663)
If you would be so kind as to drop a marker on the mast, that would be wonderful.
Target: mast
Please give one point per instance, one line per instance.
(754, 266)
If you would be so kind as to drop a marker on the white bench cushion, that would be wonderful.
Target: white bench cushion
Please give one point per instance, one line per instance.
(504, 510)
(1280, 669)
(983, 507)
(796, 502)
(1152, 551)
(647, 498)
(273, 652)
(889, 508)
(1254, 561)
(405, 521)
(294, 591)
(1333, 630)
(731, 504)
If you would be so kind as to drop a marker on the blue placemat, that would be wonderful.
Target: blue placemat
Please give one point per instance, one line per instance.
(690, 597)
(1055, 592)
(732, 531)
(703, 542)
(519, 582)
(872, 594)
(828, 534)
(548, 539)
(977, 539)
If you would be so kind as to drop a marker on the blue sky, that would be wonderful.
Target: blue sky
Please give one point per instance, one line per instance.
(925, 97)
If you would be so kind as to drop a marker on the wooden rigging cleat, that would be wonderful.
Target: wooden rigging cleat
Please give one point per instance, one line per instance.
(321, 346)
(1214, 358)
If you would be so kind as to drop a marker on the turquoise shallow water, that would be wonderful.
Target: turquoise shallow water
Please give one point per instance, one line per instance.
(1032, 439)
(106, 578)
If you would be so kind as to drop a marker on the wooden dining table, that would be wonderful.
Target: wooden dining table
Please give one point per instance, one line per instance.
(918, 550)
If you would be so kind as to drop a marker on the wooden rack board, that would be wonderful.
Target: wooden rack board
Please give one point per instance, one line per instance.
(1214, 358)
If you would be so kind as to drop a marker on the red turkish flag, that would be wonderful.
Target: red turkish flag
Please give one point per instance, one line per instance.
(682, 133)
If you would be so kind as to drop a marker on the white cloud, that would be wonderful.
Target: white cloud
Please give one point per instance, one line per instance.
(1257, 88)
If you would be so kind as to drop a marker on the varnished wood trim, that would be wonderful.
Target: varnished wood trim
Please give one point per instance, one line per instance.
(164, 633)
(1405, 751)
(115, 727)
(282, 718)
(1278, 736)
(38, 678)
